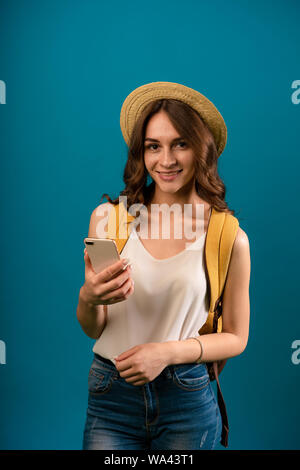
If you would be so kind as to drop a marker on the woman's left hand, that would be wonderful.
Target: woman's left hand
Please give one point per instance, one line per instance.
(142, 363)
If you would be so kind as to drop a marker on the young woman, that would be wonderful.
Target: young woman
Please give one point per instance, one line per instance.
(149, 386)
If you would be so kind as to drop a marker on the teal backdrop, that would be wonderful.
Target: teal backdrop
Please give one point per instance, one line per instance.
(67, 67)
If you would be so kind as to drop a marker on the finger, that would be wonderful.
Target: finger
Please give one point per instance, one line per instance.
(114, 300)
(139, 383)
(107, 274)
(125, 356)
(114, 291)
(129, 374)
(88, 264)
(134, 380)
(128, 293)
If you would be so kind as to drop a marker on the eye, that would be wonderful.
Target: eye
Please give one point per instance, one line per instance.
(178, 143)
(181, 142)
(151, 145)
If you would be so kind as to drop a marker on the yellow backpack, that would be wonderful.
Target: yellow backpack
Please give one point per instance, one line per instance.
(220, 237)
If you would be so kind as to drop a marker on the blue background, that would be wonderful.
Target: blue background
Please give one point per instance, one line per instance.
(68, 66)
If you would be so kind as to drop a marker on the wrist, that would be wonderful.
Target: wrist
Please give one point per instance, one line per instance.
(168, 349)
(198, 360)
(181, 352)
(84, 298)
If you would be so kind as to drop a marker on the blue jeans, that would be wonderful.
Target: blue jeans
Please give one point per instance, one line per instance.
(176, 410)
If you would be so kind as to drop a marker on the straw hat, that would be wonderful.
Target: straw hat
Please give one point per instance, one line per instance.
(141, 96)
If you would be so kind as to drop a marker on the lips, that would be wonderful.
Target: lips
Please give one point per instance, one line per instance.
(169, 176)
(169, 173)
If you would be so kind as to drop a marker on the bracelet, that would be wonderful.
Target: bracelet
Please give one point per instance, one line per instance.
(201, 347)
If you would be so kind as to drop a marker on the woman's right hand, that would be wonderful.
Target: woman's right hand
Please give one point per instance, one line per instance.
(110, 286)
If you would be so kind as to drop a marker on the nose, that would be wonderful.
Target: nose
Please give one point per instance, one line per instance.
(167, 159)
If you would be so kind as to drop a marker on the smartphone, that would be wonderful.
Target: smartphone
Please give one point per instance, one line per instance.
(102, 252)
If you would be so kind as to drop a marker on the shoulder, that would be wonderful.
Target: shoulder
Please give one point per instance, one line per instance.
(99, 219)
(240, 255)
(241, 240)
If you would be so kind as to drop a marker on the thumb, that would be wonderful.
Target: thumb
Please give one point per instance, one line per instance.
(88, 264)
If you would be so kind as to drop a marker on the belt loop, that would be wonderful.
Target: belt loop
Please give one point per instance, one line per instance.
(169, 371)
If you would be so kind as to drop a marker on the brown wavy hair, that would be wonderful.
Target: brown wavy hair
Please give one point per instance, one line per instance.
(195, 132)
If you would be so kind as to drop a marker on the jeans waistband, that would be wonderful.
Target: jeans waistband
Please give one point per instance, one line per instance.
(104, 359)
(169, 370)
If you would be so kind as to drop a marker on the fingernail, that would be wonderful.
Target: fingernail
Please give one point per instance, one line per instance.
(125, 261)
(124, 267)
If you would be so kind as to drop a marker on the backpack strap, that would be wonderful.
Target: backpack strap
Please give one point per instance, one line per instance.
(221, 233)
(118, 225)
(222, 406)
(230, 228)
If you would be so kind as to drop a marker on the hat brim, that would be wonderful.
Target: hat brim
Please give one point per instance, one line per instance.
(136, 101)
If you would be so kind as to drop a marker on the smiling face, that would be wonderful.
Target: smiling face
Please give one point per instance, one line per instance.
(168, 158)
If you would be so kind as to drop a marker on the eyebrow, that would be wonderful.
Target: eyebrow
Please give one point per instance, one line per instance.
(156, 140)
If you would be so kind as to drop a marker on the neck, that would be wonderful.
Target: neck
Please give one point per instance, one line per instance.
(181, 198)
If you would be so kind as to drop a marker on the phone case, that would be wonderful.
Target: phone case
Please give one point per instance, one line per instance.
(102, 252)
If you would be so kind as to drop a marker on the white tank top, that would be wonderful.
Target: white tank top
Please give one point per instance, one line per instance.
(169, 302)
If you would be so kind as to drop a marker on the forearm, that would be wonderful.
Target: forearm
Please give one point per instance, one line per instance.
(92, 318)
(216, 346)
